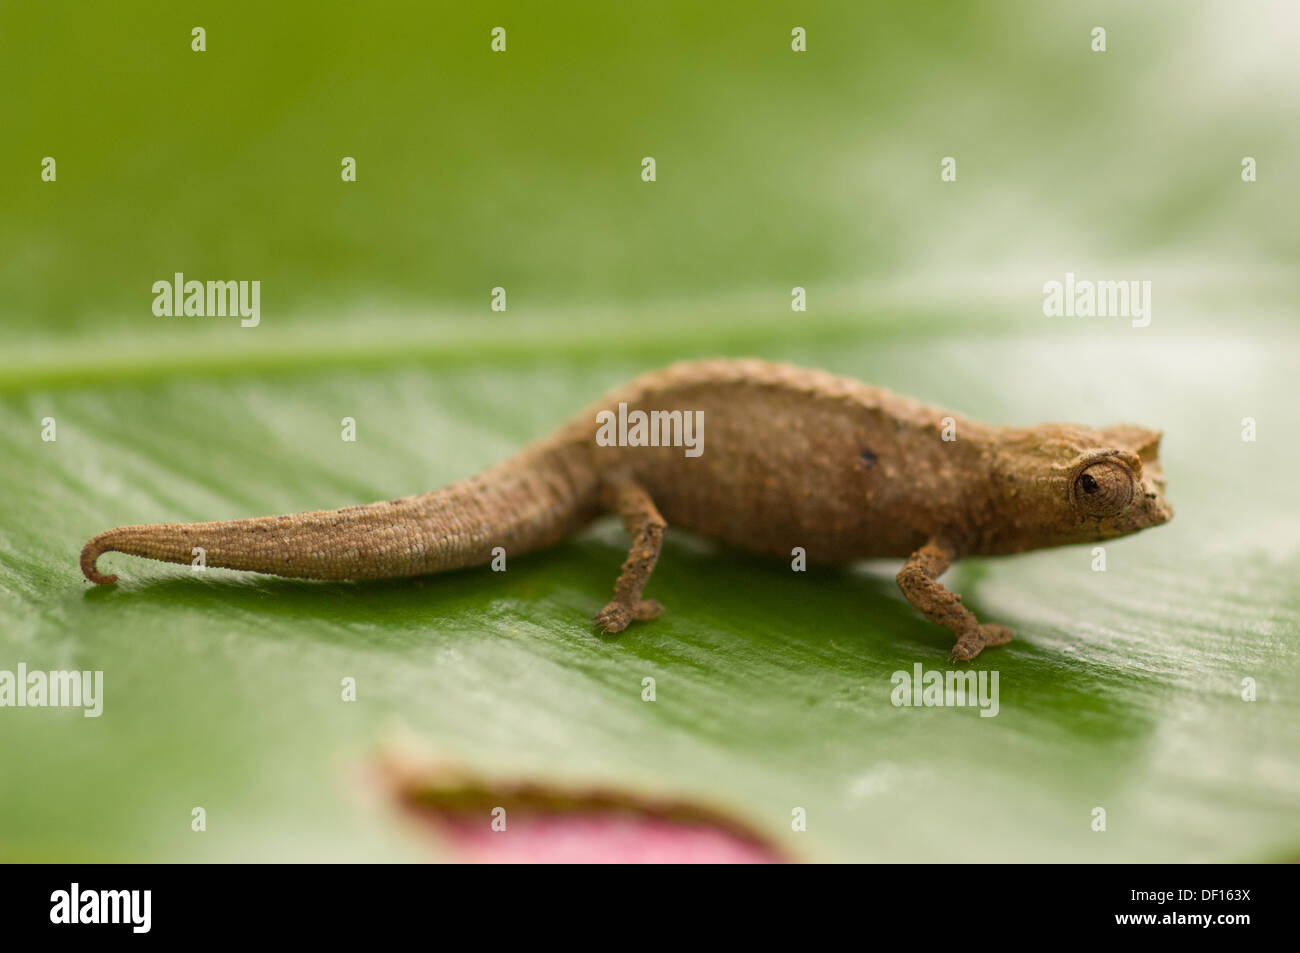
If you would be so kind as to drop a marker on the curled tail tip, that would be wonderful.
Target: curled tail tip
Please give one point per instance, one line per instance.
(90, 554)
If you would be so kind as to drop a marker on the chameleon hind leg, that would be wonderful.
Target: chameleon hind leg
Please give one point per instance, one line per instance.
(918, 580)
(642, 520)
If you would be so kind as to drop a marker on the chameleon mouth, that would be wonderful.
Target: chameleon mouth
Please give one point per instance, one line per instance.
(1159, 509)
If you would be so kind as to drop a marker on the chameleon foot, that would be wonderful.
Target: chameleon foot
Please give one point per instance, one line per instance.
(971, 644)
(996, 634)
(615, 617)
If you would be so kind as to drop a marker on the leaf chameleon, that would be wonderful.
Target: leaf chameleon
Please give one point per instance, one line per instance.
(793, 458)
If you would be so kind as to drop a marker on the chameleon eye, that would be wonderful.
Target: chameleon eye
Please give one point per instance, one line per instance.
(1103, 489)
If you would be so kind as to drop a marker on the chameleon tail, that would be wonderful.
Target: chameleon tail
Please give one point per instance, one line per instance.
(527, 502)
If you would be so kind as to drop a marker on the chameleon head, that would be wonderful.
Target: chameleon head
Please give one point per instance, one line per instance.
(1065, 484)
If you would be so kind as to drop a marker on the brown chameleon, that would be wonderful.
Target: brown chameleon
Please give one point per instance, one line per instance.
(786, 458)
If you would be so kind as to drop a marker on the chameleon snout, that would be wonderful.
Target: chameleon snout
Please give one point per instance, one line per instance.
(1158, 509)
(1162, 510)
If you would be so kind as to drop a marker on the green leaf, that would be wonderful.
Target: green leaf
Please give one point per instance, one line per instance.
(1122, 689)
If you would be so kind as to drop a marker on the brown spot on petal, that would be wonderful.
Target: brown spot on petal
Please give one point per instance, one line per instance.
(484, 820)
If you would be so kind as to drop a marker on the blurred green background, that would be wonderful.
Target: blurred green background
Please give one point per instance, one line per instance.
(522, 170)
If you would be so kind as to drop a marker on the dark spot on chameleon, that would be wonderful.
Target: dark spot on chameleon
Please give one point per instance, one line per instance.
(868, 457)
(1089, 484)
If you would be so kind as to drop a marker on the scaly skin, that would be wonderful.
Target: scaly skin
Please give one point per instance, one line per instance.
(791, 458)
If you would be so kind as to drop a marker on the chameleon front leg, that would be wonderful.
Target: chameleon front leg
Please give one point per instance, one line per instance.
(918, 578)
(629, 500)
